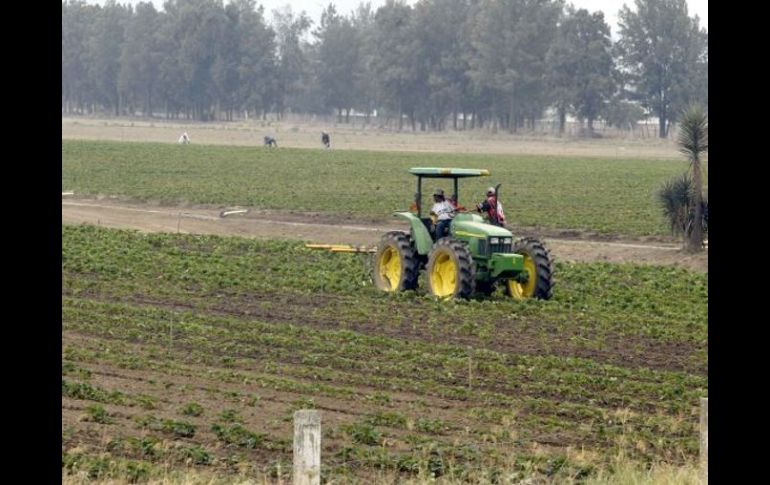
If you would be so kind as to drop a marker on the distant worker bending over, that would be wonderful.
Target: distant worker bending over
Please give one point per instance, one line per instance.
(270, 142)
(444, 212)
(184, 139)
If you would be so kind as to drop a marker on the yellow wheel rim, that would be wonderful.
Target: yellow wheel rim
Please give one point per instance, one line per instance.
(390, 268)
(443, 276)
(526, 290)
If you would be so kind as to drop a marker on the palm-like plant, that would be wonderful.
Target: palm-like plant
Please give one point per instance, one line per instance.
(677, 198)
(693, 141)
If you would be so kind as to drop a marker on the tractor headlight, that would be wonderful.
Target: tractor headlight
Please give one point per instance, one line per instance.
(507, 240)
(494, 240)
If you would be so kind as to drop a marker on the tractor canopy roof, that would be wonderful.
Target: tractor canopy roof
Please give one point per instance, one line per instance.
(432, 172)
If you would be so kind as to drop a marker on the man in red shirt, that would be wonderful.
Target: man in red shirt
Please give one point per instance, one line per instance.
(493, 208)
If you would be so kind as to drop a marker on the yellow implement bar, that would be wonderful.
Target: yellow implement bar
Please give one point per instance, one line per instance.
(354, 250)
(342, 248)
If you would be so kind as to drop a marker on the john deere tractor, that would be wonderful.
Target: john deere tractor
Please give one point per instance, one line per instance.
(476, 257)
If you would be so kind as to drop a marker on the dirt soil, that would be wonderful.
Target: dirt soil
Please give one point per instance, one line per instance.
(306, 134)
(335, 229)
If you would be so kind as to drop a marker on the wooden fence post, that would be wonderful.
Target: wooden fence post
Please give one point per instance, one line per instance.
(307, 447)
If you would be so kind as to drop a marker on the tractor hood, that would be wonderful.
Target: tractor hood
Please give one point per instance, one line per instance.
(478, 229)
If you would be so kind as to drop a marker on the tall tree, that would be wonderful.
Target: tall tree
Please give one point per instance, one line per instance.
(663, 48)
(104, 51)
(171, 84)
(292, 62)
(510, 40)
(140, 58)
(77, 19)
(337, 62)
(227, 58)
(581, 65)
(192, 36)
(395, 62)
(442, 43)
(362, 20)
(256, 69)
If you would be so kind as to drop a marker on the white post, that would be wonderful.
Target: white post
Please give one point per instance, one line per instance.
(307, 447)
(704, 438)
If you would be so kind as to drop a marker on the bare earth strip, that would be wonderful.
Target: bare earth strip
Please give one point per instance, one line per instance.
(303, 134)
(331, 229)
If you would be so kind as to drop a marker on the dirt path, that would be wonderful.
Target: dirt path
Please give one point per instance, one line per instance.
(302, 134)
(330, 230)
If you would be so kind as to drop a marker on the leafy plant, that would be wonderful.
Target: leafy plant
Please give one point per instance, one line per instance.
(192, 409)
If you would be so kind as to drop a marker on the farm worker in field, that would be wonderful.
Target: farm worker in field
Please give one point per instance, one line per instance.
(326, 140)
(493, 208)
(270, 142)
(443, 212)
(184, 139)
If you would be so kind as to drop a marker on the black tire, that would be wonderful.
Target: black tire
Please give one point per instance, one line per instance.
(459, 284)
(395, 244)
(540, 256)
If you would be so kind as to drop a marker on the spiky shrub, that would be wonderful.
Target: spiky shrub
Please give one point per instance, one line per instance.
(693, 142)
(678, 201)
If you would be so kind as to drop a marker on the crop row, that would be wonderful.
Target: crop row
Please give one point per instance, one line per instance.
(193, 351)
(610, 196)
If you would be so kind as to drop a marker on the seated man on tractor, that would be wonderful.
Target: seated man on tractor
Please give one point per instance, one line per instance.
(493, 208)
(443, 212)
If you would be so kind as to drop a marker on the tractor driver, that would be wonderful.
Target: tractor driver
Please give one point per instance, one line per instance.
(443, 211)
(493, 208)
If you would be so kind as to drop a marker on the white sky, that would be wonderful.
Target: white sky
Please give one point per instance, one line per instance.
(315, 7)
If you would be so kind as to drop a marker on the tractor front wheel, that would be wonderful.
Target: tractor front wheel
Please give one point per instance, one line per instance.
(395, 263)
(450, 270)
(538, 266)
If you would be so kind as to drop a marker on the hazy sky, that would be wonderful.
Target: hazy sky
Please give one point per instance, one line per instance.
(314, 7)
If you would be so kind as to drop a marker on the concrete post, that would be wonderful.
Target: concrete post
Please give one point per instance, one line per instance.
(704, 439)
(307, 447)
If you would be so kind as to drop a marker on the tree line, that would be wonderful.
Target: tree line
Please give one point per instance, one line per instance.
(437, 65)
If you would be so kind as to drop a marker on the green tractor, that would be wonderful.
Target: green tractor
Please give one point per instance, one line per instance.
(476, 256)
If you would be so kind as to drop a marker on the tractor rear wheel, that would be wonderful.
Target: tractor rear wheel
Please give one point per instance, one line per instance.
(395, 263)
(538, 265)
(450, 270)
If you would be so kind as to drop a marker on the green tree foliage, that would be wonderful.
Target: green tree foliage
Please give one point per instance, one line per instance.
(622, 114)
(256, 69)
(442, 43)
(666, 53)
(77, 20)
(292, 65)
(395, 61)
(490, 63)
(140, 59)
(510, 40)
(338, 58)
(581, 66)
(104, 51)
